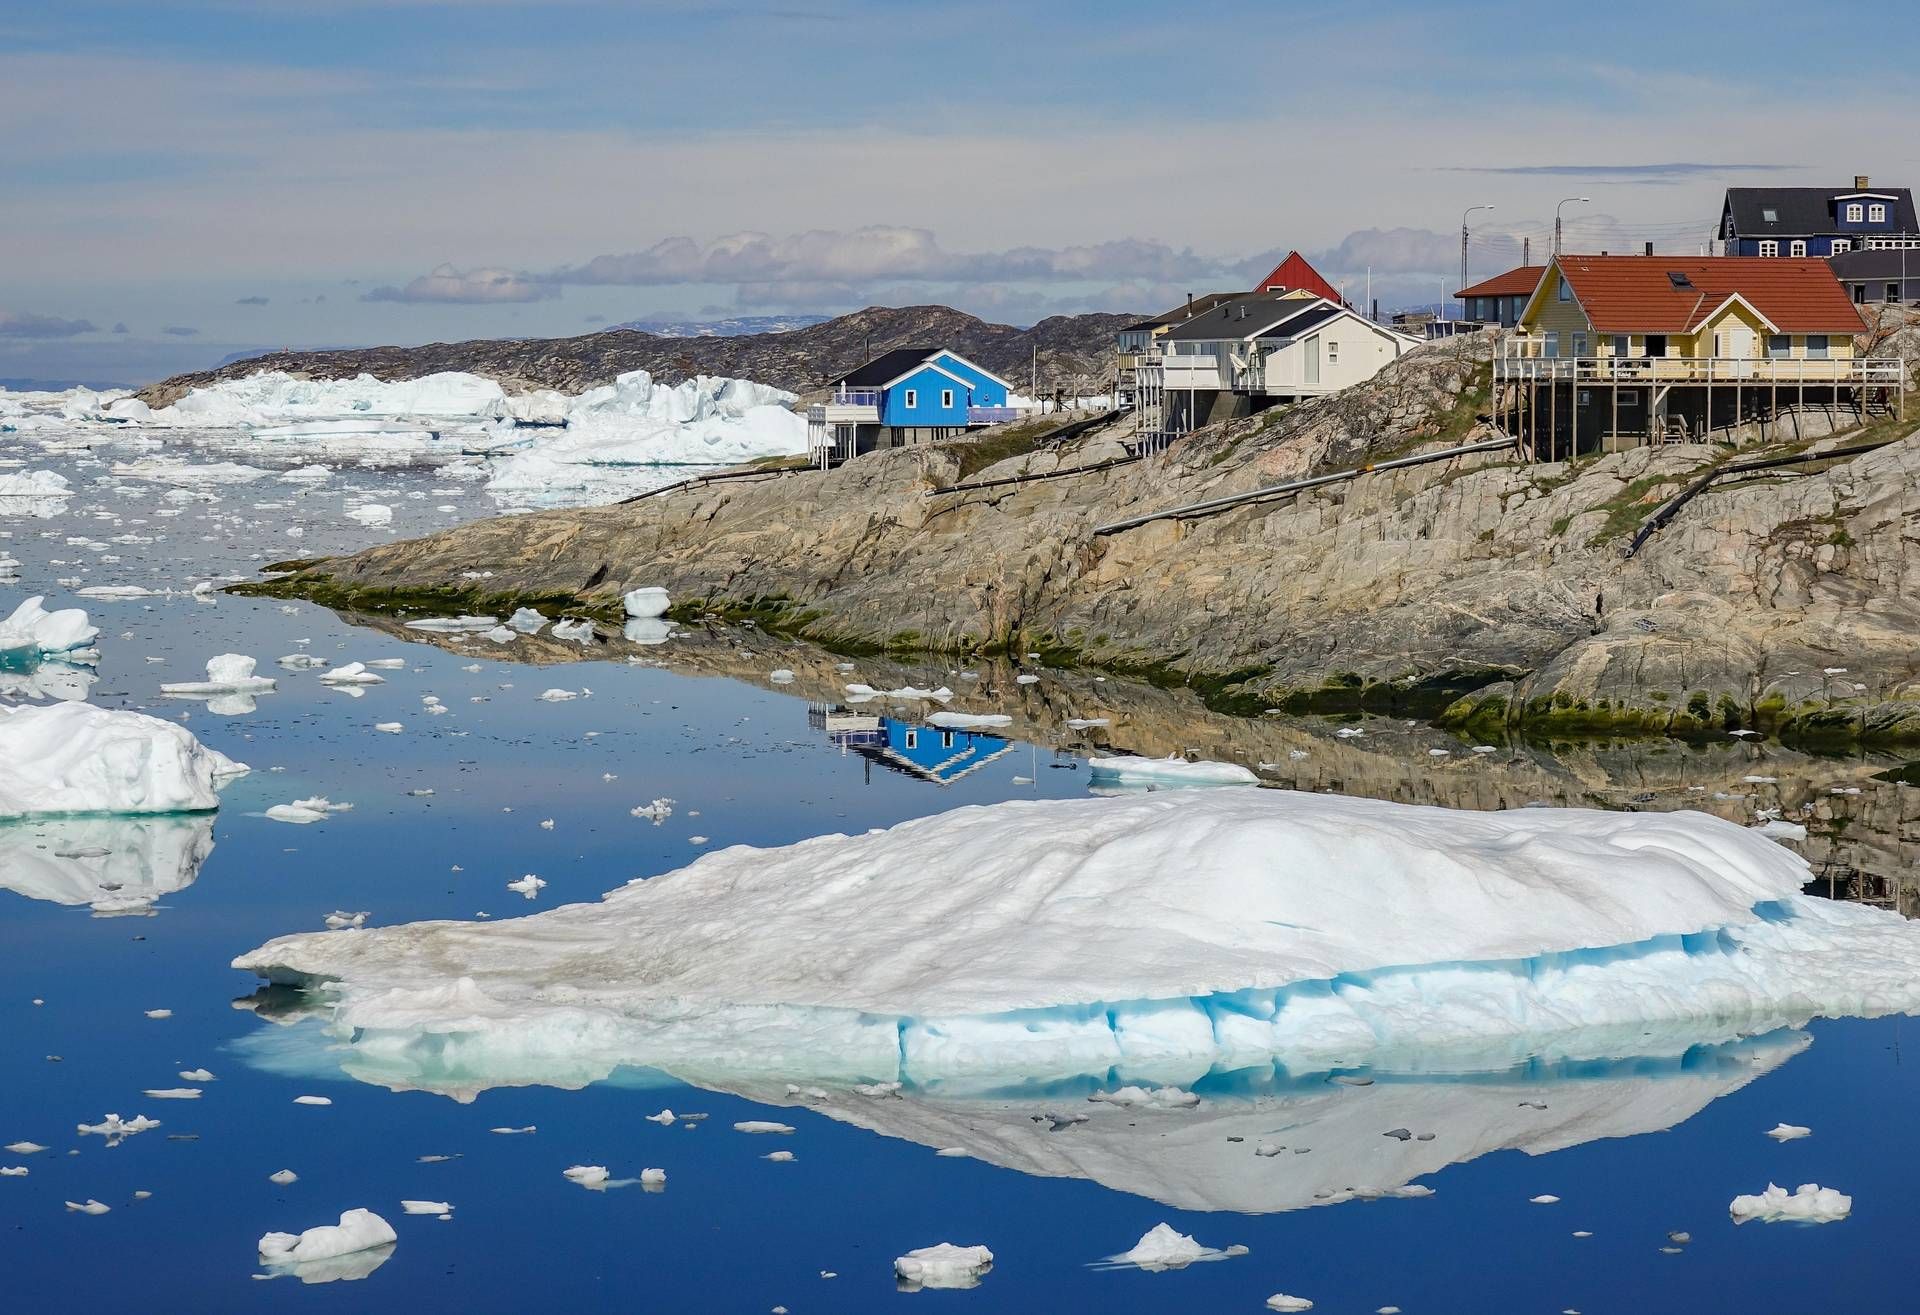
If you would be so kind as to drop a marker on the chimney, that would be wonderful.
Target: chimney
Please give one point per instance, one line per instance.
(1649, 248)
(1860, 182)
(1189, 305)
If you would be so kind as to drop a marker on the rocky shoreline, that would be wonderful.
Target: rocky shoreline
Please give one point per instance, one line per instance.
(1488, 593)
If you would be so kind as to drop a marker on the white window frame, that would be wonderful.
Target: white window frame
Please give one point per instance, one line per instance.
(1579, 345)
(1797, 247)
(910, 399)
(946, 399)
(1566, 289)
(1855, 212)
(1622, 345)
(1550, 345)
(1877, 213)
(1333, 352)
(1769, 247)
(1838, 245)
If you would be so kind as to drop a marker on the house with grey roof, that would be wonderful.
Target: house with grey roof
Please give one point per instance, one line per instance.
(1882, 276)
(1817, 221)
(1254, 352)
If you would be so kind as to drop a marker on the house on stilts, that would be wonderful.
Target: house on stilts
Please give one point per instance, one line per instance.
(1620, 351)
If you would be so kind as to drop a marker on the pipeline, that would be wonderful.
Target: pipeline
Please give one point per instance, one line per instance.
(710, 479)
(1299, 485)
(1699, 486)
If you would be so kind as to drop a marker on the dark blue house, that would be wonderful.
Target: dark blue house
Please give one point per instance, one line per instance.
(906, 396)
(927, 752)
(1817, 221)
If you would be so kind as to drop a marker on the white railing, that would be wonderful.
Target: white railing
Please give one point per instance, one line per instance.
(856, 397)
(1528, 367)
(991, 415)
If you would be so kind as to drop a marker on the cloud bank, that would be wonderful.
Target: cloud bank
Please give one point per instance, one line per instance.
(473, 287)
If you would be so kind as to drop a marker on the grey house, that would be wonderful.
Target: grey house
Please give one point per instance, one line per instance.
(1880, 276)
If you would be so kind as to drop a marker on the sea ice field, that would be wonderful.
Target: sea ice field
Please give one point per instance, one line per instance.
(692, 968)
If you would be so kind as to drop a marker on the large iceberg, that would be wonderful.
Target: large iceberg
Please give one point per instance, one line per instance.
(32, 633)
(1166, 934)
(76, 758)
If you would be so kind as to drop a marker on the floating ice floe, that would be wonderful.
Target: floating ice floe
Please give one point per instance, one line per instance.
(1130, 770)
(1809, 1204)
(527, 621)
(454, 625)
(32, 633)
(1283, 1302)
(942, 1266)
(304, 811)
(76, 758)
(1788, 1132)
(230, 674)
(1188, 930)
(353, 673)
(358, 1230)
(88, 1207)
(283, 1177)
(116, 1129)
(763, 1126)
(558, 695)
(441, 1208)
(587, 1175)
(1164, 1247)
(371, 514)
(966, 721)
(528, 886)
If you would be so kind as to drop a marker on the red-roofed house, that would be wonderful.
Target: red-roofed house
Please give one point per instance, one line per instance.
(1617, 350)
(1296, 277)
(1500, 299)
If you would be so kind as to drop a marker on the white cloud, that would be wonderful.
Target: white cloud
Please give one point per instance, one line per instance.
(474, 286)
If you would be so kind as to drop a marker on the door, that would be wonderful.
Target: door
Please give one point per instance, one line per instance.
(1739, 347)
(1313, 359)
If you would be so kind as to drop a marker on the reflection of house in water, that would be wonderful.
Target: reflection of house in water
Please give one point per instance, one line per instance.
(928, 752)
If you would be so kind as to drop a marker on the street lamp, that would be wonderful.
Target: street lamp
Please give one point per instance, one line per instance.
(1583, 200)
(1463, 240)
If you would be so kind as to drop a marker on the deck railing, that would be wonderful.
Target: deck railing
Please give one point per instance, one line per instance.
(1527, 367)
(856, 397)
(991, 415)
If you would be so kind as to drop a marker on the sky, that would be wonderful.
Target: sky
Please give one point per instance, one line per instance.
(186, 179)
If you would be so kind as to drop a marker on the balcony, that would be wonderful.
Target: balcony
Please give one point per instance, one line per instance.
(1524, 366)
(1202, 372)
(847, 406)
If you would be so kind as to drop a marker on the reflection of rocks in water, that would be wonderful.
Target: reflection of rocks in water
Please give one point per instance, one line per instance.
(1872, 830)
(115, 865)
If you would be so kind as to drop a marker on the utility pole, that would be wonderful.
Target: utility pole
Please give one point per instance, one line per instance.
(1033, 375)
(1556, 218)
(1463, 240)
(1526, 251)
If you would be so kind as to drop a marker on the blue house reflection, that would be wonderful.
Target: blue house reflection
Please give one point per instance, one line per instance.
(926, 752)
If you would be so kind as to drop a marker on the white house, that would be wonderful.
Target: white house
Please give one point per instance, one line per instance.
(1254, 352)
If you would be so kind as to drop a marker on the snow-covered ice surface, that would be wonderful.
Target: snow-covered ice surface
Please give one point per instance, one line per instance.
(1360, 1186)
(76, 758)
(1223, 928)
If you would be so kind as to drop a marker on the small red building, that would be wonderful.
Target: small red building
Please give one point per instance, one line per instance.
(1294, 274)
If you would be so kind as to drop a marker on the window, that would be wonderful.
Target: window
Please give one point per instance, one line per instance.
(1656, 344)
(1860, 294)
(1333, 352)
(946, 739)
(1855, 212)
(1579, 344)
(946, 399)
(911, 398)
(1893, 293)
(1622, 345)
(1769, 216)
(1838, 245)
(1566, 291)
(1551, 347)
(1769, 248)
(1716, 345)
(1816, 347)
(913, 739)
(1876, 213)
(1798, 247)
(1779, 346)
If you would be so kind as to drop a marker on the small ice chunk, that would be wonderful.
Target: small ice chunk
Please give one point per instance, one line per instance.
(528, 885)
(1543, 1199)
(646, 603)
(762, 1126)
(1810, 1203)
(962, 721)
(172, 1093)
(313, 1100)
(426, 1207)
(116, 1129)
(1788, 1132)
(159, 1013)
(558, 695)
(23, 1147)
(353, 673)
(388, 727)
(358, 1230)
(653, 1177)
(656, 812)
(13, 1171)
(341, 919)
(780, 676)
(195, 1075)
(1281, 1301)
(579, 631)
(1162, 1098)
(283, 1177)
(512, 1132)
(1163, 1247)
(371, 514)
(942, 1266)
(527, 621)
(587, 1175)
(663, 1118)
(1085, 723)
(1024, 679)
(779, 1157)
(88, 1207)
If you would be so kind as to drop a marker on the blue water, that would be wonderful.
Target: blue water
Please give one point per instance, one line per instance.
(732, 1231)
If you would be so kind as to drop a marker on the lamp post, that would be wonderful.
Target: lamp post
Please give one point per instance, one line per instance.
(1463, 239)
(1583, 200)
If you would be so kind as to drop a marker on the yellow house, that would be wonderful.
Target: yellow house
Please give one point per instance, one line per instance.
(1628, 349)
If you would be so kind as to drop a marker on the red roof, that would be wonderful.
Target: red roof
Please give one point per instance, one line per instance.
(1519, 282)
(1294, 274)
(1641, 294)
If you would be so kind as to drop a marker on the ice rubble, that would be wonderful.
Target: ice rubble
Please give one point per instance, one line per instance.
(1810, 1204)
(1182, 930)
(76, 758)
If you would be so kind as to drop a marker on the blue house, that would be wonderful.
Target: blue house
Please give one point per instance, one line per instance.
(926, 752)
(1817, 221)
(903, 397)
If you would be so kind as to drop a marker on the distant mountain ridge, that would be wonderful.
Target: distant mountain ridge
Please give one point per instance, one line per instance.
(736, 326)
(1073, 350)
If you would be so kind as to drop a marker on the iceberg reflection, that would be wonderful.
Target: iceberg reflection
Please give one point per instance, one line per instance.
(114, 865)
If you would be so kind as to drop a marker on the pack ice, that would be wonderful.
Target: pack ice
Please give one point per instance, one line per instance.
(1209, 929)
(76, 758)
